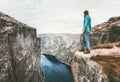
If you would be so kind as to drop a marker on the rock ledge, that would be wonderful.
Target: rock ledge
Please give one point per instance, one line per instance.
(101, 65)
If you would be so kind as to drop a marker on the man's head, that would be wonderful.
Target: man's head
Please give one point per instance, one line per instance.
(86, 12)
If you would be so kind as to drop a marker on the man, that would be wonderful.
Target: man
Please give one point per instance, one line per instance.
(85, 32)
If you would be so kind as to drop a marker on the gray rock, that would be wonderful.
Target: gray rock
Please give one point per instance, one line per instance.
(19, 52)
(101, 65)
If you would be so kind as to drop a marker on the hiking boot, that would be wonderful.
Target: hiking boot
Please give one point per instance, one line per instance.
(87, 51)
(82, 49)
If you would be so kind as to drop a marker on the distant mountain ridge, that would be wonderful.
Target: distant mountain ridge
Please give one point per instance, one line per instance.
(60, 45)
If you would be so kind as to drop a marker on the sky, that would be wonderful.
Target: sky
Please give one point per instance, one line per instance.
(59, 16)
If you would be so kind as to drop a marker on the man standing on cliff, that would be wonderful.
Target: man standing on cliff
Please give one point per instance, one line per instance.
(85, 32)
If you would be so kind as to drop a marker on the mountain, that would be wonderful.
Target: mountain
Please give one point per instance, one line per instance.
(60, 45)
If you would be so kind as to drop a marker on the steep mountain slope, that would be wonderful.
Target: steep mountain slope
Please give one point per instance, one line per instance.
(61, 45)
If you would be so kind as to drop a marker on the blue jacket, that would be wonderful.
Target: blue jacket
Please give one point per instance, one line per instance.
(87, 24)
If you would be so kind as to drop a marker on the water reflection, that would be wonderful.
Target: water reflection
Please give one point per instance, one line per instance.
(54, 70)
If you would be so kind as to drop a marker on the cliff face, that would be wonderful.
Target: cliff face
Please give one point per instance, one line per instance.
(106, 32)
(19, 52)
(102, 65)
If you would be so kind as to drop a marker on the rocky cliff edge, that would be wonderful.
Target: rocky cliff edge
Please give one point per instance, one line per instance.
(19, 52)
(101, 65)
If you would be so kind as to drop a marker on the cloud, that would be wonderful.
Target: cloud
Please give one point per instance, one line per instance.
(50, 16)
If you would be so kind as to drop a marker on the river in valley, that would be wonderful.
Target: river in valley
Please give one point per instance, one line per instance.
(54, 70)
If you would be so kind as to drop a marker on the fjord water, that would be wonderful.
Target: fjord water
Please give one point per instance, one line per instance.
(54, 70)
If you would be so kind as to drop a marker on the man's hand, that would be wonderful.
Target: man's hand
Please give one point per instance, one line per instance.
(91, 32)
(82, 31)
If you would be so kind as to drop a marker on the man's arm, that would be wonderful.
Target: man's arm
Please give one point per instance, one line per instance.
(85, 24)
